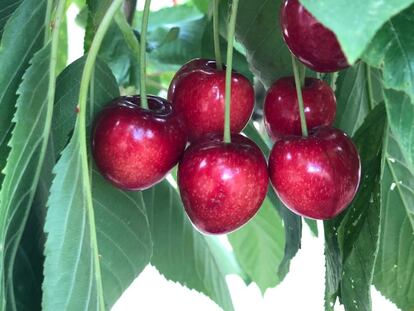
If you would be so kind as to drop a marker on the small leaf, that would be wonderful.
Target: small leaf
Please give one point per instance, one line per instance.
(259, 247)
(340, 18)
(180, 252)
(395, 261)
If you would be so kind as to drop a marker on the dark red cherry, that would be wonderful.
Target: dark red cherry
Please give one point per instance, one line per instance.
(281, 108)
(222, 185)
(316, 176)
(197, 93)
(312, 43)
(135, 148)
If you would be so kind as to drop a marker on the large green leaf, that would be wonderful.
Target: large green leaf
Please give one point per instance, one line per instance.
(180, 252)
(400, 110)
(28, 143)
(259, 247)
(352, 238)
(392, 50)
(123, 233)
(395, 262)
(340, 17)
(257, 29)
(7, 7)
(26, 24)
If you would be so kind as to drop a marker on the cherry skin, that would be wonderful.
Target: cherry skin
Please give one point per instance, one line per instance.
(222, 185)
(312, 43)
(134, 148)
(197, 93)
(281, 108)
(317, 176)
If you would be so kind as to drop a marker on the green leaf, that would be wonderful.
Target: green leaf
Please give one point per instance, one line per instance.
(313, 226)
(104, 88)
(352, 98)
(7, 8)
(63, 46)
(202, 5)
(28, 142)
(28, 266)
(96, 12)
(340, 18)
(26, 24)
(400, 110)
(257, 29)
(392, 50)
(122, 227)
(352, 237)
(395, 262)
(259, 247)
(292, 223)
(180, 252)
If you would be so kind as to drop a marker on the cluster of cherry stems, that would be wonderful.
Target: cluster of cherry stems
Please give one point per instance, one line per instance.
(223, 181)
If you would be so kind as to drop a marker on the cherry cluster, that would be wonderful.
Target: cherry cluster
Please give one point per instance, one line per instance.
(223, 184)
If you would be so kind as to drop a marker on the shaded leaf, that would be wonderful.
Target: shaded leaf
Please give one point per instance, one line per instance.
(395, 262)
(400, 110)
(7, 8)
(352, 238)
(180, 252)
(27, 24)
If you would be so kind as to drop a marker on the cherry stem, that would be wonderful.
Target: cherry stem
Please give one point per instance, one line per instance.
(334, 78)
(143, 51)
(217, 51)
(302, 72)
(300, 97)
(229, 64)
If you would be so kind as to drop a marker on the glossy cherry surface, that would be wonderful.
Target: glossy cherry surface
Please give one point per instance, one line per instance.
(135, 148)
(222, 185)
(312, 43)
(317, 176)
(197, 93)
(281, 108)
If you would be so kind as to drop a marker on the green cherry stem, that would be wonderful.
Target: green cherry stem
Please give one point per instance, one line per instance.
(302, 72)
(300, 97)
(230, 36)
(334, 78)
(80, 130)
(142, 58)
(217, 51)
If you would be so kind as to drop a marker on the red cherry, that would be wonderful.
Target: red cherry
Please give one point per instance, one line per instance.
(312, 43)
(281, 108)
(197, 93)
(222, 185)
(135, 148)
(317, 176)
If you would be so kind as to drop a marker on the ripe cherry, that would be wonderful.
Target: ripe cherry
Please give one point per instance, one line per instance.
(312, 43)
(134, 148)
(197, 93)
(316, 176)
(281, 108)
(222, 185)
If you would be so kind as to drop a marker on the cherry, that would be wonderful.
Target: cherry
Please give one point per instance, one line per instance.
(222, 185)
(316, 176)
(311, 42)
(197, 93)
(281, 108)
(134, 148)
